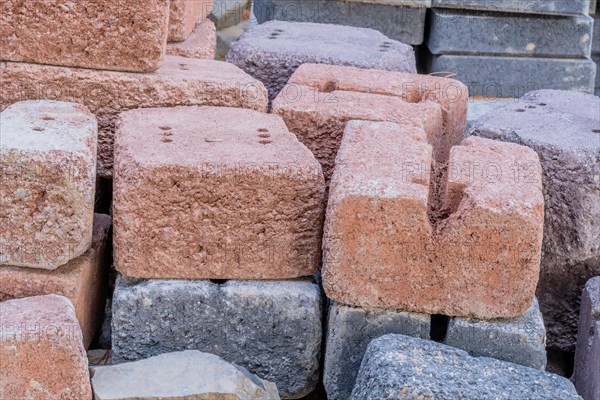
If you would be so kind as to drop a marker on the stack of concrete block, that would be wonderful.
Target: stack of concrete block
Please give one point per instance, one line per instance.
(596, 45)
(229, 202)
(505, 48)
(191, 33)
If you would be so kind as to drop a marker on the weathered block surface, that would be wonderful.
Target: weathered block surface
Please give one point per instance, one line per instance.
(349, 332)
(453, 32)
(81, 280)
(202, 43)
(185, 374)
(596, 36)
(114, 34)
(271, 328)
(399, 367)
(179, 81)
(520, 340)
(554, 7)
(596, 58)
(272, 51)
(42, 351)
(402, 20)
(230, 194)
(587, 354)
(184, 15)
(47, 182)
(493, 76)
(478, 107)
(564, 129)
(385, 247)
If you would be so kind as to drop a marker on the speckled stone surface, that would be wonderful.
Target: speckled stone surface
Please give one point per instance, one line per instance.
(41, 349)
(179, 81)
(202, 43)
(555, 7)
(184, 374)
(596, 59)
(596, 36)
(397, 367)
(48, 160)
(81, 280)
(272, 51)
(184, 15)
(349, 332)
(454, 32)
(214, 193)
(564, 129)
(478, 107)
(271, 328)
(520, 340)
(113, 34)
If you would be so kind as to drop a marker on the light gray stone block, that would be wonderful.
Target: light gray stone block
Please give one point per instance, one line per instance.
(349, 332)
(453, 32)
(478, 107)
(494, 76)
(554, 7)
(520, 340)
(397, 367)
(272, 328)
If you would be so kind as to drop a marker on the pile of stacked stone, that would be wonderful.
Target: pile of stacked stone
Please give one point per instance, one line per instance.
(595, 12)
(506, 48)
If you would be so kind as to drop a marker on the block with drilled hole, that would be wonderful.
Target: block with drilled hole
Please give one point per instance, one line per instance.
(202, 43)
(42, 351)
(320, 99)
(116, 35)
(461, 242)
(184, 15)
(47, 181)
(214, 192)
(178, 82)
(81, 280)
(272, 51)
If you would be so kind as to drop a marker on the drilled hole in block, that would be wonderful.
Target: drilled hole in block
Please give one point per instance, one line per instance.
(520, 110)
(165, 128)
(166, 140)
(329, 87)
(596, 130)
(47, 118)
(264, 135)
(265, 142)
(38, 129)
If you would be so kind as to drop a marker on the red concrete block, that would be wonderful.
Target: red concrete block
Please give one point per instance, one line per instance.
(388, 245)
(184, 15)
(42, 351)
(202, 43)
(82, 280)
(214, 192)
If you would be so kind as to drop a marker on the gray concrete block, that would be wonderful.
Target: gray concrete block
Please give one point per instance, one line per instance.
(493, 76)
(349, 332)
(272, 328)
(272, 51)
(402, 20)
(596, 36)
(587, 354)
(455, 32)
(478, 107)
(520, 340)
(596, 59)
(397, 367)
(554, 7)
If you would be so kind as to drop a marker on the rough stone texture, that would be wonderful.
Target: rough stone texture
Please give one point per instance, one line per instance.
(385, 247)
(494, 76)
(82, 280)
(47, 183)
(184, 15)
(587, 354)
(554, 7)
(349, 332)
(397, 367)
(271, 328)
(185, 374)
(596, 36)
(202, 43)
(114, 34)
(452, 32)
(231, 194)
(42, 351)
(179, 81)
(596, 58)
(320, 99)
(272, 51)
(402, 20)
(520, 340)
(564, 129)
(478, 107)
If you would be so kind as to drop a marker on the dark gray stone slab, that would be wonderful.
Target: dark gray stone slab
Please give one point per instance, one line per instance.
(494, 76)
(349, 332)
(520, 340)
(272, 51)
(402, 20)
(272, 328)
(587, 355)
(397, 367)
(596, 58)
(564, 129)
(454, 32)
(554, 7)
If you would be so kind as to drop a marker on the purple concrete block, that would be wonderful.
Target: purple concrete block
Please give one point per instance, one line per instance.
(587, 355)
